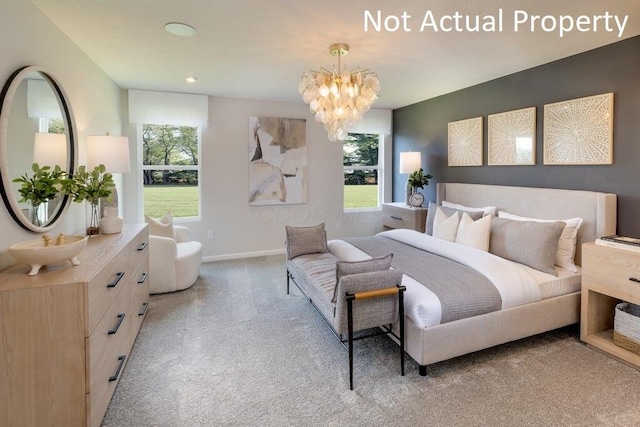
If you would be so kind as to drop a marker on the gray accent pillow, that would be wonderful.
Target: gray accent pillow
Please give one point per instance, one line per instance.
(530, 243)
(306, 240)
(431, 214)
(345, 268)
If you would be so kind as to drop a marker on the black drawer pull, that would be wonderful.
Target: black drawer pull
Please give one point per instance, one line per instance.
(396, 217)
(120, 365)
(143, 278)
(142, 312)
(115, 328)
(115, 282)
(633, 279)
(142, 246)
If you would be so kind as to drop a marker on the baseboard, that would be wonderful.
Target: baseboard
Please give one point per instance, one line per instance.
(243, 255)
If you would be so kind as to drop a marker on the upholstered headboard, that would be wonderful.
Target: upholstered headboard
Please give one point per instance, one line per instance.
(598, 210)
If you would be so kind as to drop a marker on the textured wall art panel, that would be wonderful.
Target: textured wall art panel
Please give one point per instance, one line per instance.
(465, 142)
(277, 161)
(579, 131)
(512, 137)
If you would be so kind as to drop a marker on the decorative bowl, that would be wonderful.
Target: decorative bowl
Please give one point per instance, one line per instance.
(36, 254)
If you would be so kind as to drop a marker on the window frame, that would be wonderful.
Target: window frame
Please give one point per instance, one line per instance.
(142, 168)
(379, 167)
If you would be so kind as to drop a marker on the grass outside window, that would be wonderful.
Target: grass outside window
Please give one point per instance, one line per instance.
(180, 200)
(360, 196)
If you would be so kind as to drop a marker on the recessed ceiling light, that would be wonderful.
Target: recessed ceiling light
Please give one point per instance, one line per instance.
(191, 79)
(179, 29)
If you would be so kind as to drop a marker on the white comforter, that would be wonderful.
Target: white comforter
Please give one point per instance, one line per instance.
(517, 283)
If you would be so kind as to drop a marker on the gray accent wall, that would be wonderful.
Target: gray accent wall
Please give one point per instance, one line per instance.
(613, 68)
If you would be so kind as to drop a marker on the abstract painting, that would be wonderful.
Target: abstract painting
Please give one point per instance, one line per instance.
(277, 161)
(512, 138)
(465, 142)
(579, 132)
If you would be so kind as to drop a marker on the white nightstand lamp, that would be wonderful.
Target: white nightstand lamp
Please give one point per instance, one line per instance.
(410, 161)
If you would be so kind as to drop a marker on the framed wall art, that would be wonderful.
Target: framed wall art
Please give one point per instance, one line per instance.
(579, 131)
(512, 137)
(465, 142)
(277, 161)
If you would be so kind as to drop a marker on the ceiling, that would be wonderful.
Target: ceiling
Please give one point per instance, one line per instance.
(258, 49)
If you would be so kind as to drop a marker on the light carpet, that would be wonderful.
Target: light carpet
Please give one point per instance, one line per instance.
(236, 350)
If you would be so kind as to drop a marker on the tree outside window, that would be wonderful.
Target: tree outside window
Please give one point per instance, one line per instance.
(360, 159)
(170, 169)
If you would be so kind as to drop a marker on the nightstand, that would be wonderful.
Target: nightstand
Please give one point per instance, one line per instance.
(399, 215)
(609, 276)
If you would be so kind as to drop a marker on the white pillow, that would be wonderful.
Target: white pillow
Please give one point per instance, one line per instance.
(487, 210)
(445, 227)
(161, 227)
(474, 233)
(567, 242)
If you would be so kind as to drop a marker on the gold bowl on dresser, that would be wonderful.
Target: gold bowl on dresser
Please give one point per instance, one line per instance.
(36, 254)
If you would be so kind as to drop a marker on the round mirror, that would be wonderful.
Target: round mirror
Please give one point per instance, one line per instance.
(36, 126)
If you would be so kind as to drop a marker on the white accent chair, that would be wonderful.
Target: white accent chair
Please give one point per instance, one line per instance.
(174, 264)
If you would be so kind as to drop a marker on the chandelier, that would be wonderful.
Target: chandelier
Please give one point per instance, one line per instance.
(340, 97)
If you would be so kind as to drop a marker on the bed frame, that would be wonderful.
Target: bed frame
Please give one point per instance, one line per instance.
(442, 342)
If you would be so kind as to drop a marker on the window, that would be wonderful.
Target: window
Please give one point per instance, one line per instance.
(360, 158)
(170, 170)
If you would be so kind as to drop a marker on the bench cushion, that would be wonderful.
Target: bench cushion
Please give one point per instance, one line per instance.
(316, 275)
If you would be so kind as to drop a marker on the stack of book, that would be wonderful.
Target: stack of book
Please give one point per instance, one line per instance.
(620, 242)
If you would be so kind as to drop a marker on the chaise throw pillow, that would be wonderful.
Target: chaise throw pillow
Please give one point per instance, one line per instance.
(345, 268)
(306, 240)
(161, 227)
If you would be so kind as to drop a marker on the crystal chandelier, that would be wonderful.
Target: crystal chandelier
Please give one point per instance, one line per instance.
(340, 97)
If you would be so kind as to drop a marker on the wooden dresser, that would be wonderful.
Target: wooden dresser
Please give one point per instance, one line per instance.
(399, 215)
(66, 333)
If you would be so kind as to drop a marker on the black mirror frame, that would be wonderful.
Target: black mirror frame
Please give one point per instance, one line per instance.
(6, 98)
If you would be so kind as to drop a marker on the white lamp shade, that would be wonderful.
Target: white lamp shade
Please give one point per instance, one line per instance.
(410, 161)
(110, 151)
(50, 149)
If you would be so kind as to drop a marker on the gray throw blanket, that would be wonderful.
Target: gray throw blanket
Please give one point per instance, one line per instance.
(463, 292)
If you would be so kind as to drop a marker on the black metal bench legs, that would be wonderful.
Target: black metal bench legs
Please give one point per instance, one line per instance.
(373, 294)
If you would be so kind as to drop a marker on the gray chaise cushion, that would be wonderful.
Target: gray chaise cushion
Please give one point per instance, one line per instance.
(316, 276)
(306, 240)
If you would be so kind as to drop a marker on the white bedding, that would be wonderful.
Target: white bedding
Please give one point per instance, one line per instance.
(516, 283)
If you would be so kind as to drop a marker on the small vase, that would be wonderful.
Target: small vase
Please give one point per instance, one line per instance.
(93, 219)
(110, 223)
(35, 214)
(410, 190)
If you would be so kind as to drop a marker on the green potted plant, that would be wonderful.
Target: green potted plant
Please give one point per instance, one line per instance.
(38, 189)
(90, 186)
(417, 179)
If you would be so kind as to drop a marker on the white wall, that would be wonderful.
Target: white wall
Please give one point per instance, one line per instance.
(243, 230)
(28, 38)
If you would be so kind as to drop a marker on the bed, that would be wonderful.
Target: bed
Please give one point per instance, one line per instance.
(526, 312)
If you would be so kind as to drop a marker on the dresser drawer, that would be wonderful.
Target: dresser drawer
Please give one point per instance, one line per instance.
(111, 333)
(105, 287)
(617, 272)
(139, 297)
(137, 250)
(107, 380)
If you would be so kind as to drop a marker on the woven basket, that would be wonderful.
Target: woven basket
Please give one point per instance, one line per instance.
(626, 327)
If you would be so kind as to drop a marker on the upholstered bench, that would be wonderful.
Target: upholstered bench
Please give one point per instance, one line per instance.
(350, 296)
